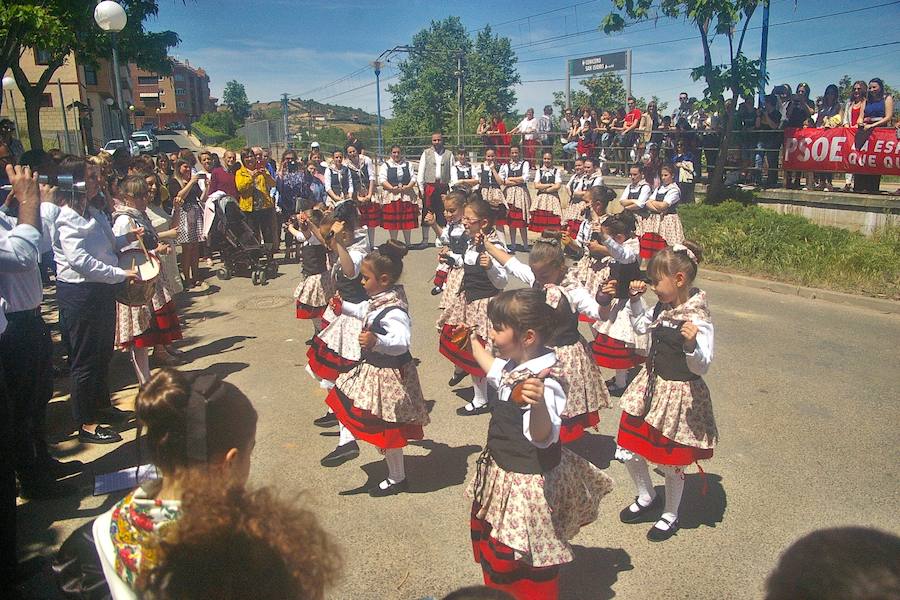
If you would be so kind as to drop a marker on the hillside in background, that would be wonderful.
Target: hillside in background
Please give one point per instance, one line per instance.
(304, 113)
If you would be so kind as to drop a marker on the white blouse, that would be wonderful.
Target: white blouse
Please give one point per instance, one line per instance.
(699, 360)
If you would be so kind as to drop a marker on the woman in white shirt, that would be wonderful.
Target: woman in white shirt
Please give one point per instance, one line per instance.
(527, 128)
(514, 176)
(462, 173)
(660, 226)
(547, 211)
(400, 206)
(87, 269)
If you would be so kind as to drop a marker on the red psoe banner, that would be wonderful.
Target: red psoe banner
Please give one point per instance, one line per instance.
(842, 149)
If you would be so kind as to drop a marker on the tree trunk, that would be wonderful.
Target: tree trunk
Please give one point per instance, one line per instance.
(33, 117)
(715, 190)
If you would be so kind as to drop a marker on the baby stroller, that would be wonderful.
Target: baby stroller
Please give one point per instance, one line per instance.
(231, 235)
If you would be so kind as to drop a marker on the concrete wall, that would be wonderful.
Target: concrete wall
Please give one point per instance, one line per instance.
(857, 212)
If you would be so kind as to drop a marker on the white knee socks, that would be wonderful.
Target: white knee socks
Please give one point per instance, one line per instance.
(345, 436)
(674, 490)
(640, 473)
(480, 386)
(396, 471)
(621, 377)
(141, 361)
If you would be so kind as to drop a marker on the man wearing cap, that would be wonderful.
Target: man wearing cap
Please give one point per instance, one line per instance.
(434, 179)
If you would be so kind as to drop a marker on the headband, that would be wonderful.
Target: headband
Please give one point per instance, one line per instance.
(687, 251)
(203, 390)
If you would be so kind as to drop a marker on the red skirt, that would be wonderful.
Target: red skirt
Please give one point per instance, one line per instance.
(585, 319)
(515, 218)
(369, 213)
(306, 311)
(585, 149)
(637, 436)
(440, 277)
(542, 220)
(573, 428)
(400, 215)
(367, 427)
(460, 357)
(573, 226)
(651, 243)
(502, 571)
(613, 354)
(325, 362)
(164, 328)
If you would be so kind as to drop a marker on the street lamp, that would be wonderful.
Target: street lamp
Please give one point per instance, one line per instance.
(8, 83)
(111, 18)
(377, 65)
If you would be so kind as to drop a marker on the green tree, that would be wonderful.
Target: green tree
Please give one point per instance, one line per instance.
(603, 92)
(724, 20)
(61, 27)
(424, 98)
(235, 98)
(221, 121)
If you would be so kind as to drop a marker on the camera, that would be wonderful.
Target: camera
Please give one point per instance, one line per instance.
(65, 183)
(293, 166)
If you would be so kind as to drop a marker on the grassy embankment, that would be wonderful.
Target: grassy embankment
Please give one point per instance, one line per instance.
(755, 241)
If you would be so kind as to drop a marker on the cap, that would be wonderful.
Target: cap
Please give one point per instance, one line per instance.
(314, 145)
(652, 146)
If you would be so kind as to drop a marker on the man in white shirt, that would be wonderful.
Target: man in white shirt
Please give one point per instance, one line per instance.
(545, 130)
(434, 181)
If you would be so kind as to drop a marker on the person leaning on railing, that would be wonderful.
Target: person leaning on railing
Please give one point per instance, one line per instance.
(878, 112)
(769, 139)
(830, 114)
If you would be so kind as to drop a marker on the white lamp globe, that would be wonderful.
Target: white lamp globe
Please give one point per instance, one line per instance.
(109, 101)
(8, 82)
(110, 16)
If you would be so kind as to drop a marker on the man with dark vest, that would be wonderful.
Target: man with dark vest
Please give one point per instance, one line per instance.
(434, 180)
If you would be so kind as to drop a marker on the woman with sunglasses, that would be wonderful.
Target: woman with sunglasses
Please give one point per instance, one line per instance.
(853, 112)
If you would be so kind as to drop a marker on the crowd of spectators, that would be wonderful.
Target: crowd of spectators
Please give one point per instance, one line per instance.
(690, 136)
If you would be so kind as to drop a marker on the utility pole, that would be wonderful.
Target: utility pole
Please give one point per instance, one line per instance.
(460, 101)
(377, 64)
(763, 51)
(284, 116)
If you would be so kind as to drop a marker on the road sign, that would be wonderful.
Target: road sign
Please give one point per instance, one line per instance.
(589, 65)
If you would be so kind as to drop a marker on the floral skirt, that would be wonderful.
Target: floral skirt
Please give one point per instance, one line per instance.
(312, 295)
(451, 287)
(681, 411)
(335, 349)
(382, 406)
(518, 202)
(472, 316)
(586, 393)
(658, 231)
(163, 329)
(494, 197)
(536, 515)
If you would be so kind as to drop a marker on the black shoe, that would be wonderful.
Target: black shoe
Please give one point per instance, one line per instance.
(114, 415)
(309, 341)
(660, 535)
(464, 411)
(46, 489)
(436, 290)
(391, 490)
(328, 420)
(610, 382)
(629, 516)
(101, 435)
(340, 455)
(615, 390)
(457, 377)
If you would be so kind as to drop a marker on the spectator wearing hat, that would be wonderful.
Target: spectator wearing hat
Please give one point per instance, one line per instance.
(8, 137)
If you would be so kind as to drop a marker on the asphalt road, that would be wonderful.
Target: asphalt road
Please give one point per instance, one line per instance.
(175, 142)
(803, 393)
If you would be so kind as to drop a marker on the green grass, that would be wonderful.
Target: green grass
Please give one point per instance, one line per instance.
(755, 241)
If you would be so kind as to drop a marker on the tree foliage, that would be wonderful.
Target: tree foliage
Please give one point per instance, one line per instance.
(235, 98)
(221, 121)
(61, 27)
(425, 97)
(605, 91)
(845, 88)
(723, 21)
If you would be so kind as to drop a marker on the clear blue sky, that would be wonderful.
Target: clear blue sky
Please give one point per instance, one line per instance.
(276, 46)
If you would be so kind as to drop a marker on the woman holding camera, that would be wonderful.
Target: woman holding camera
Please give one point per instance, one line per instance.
(184, 187)
(87, 269)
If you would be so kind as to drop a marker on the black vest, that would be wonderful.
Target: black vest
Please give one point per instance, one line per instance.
(510, 172)
(587, 183)
(458, 243)
(661, 197)
(667, 358)
(476, 284)
(487, 179)
(394, 177)
(509, 447)
(360, 178)
(313, 258)
(378, 359)
(567, 332)
(340, 181)
(350, 290)
(634, 194)
(548, 176)
(463, 172)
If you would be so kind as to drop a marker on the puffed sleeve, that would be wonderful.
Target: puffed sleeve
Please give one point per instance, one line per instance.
(555, 399)
(520, 271)
(495, 372)
(395, 340)
(699, 360)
